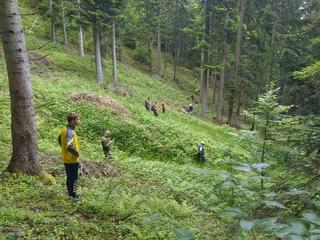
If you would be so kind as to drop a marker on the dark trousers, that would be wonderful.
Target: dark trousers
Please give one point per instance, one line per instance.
(72, 177)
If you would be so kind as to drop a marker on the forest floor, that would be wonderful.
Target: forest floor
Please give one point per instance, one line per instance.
(152, 189)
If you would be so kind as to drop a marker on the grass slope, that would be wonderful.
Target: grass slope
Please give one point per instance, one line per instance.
(160, 188)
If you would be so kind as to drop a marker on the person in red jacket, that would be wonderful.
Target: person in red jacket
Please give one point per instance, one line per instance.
(154, 109)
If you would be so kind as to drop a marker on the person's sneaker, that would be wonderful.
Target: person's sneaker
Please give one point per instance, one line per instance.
(76, 197)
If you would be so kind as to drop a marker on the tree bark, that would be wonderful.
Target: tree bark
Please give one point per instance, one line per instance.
(175, 51)
(214, 83)
(64, 26)
(159, 47)
(81, 49)
(205, 60)
(219, 109)
(97, 47)
(269, 78)
(25, 156)
(114, 55)
(236, 91)
(52, 23)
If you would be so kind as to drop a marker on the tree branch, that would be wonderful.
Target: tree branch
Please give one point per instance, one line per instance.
(42, 46)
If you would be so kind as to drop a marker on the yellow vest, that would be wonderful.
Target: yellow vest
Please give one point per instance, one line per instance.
(67, 156)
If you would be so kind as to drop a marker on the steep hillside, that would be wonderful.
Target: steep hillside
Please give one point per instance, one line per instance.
(153, 189)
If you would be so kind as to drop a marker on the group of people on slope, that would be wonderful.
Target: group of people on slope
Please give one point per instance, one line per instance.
(154, 106)
(70, 148)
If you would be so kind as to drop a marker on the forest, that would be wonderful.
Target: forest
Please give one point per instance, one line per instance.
(160, 119)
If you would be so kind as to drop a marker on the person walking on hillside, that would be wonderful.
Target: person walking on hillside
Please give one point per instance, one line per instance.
(154, 109)
(106, 144)
(69, 143)
(200, 152)
(164, 106)
(147, 104)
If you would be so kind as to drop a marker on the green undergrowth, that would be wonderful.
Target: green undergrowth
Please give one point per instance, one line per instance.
(161, 188)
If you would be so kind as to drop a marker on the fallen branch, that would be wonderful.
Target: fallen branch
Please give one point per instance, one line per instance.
(35, 59)
(28, 14)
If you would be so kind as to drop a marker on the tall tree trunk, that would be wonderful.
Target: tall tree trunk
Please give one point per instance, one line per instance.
(81, 49)
(114, 55)
(214, 83)
(203, 87)
(219, 109)
(175, 60)
(269, 77)
(150, 53)
(64, 26)
(175, 51)
(205, 60)
(159, 47)
(119, 47)
(23, 125)
(52, 23)
(265, 134)
(97, 48)
(237, 84)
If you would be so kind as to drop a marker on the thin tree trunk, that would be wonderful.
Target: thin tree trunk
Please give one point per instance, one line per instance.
(201, 77)
(265, 132)
(150, 54)
(219, 110)
(159, 47)
(81, 49)
(269, 78)
(236, 91)
(175, 65)
(205, 60)
(64, 26)
(25, 156)
(97, 47)
(114, 55)
(214, 83)
(175, 60)
(52, 23)
(203, 87)
(119, 48)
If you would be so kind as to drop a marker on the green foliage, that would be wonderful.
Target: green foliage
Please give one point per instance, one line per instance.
(159, 191)
(155, 155)
(140, 54)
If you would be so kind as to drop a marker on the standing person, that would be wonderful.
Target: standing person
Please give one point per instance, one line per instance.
(147, 104)
(200, 153)
(154, 109)
(164, 106)
(190, 109)
(106, 144)
(68, 141)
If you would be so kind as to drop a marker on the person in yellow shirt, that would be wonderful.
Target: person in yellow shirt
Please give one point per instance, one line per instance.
(68, 141)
